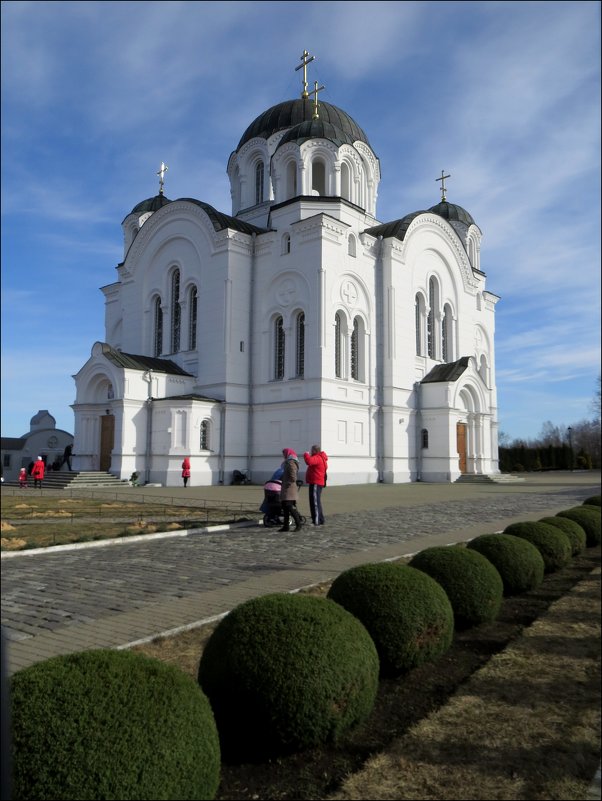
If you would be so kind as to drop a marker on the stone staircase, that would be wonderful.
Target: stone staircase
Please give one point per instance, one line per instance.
(484, 478)
(88, 479)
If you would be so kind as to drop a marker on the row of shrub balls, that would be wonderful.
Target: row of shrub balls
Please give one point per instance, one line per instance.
(281, 673)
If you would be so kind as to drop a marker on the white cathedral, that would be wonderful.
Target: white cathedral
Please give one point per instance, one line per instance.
(298, 319)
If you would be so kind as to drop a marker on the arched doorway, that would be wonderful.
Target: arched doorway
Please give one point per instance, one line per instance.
(107, 441)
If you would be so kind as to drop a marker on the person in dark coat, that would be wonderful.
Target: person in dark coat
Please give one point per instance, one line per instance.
(67, 453)
(289, 493)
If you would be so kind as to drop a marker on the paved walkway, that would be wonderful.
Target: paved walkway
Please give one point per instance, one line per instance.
(116, 593)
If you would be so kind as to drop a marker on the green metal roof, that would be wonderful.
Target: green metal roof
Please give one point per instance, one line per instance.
(446, 372)
(293, 112)
(135, 362)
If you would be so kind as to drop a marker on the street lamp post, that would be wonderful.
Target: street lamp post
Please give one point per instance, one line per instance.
(569, 429)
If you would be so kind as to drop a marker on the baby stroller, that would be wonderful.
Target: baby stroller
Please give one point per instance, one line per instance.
(271, 506)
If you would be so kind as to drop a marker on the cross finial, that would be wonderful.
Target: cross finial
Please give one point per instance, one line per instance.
(315, 91)
(305, 60)
(161, 173)
(442, 179)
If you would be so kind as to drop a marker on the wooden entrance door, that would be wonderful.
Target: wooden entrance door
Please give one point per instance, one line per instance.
(461, 440)
(107, 440)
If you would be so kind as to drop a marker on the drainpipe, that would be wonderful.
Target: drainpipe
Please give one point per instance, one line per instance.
(148, 377)
(250, 397)
(380, 367)
(222, 440)
(418, 436)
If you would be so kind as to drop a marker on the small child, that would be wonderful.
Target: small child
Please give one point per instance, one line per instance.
(23, 478)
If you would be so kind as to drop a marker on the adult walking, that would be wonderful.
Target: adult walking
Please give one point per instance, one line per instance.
(289, 492)
(67, 454)
(315, 477)
(186, 470)
(37, 472)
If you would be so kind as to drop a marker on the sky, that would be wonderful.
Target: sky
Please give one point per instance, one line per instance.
(504, 96)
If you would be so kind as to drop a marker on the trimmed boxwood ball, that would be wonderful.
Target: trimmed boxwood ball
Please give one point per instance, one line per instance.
(595, 500)
(406, 612)
(113, 725)
(518, 562)
(552, 543)
(473, 585)
(572, 529)
(588, 518)
(287, 672)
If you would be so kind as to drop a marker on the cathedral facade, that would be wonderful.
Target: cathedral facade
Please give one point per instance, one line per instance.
(298, 318)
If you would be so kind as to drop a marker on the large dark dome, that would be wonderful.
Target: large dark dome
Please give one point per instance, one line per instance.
(451, 212)
(294, 112)
(150, 204)
(317, 129)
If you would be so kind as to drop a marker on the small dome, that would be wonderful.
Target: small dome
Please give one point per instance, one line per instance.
(316, 129)
(293, 112)
(150, 204)
(451, 212)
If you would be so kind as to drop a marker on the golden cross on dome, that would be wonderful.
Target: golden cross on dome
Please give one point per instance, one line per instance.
(442, 179)
(161, 173)
(305, 60)
(316, 89)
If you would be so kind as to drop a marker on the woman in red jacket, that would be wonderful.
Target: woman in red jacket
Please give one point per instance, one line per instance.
(315, 476)
(37, 472)
(186, 470)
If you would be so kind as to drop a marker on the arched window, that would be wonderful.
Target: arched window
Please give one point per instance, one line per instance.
(351, 245)
(158, 338)
(345, 181)
(431, 322)
(338, 349)
(286, 244)
(318, 177)
(447, 352)
(357, 350)
(279, 348)
(259, 182)
(291, 180)
(175, 311)
(419, 324)
(300, 349)
(424, 438)
(204, 442)
(192, 319)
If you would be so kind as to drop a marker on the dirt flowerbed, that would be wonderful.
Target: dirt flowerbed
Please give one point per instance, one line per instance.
(511, 711)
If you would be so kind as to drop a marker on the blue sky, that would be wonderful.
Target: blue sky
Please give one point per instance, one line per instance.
(504, 96)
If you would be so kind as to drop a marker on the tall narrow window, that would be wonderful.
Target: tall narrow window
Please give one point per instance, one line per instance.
(446, 336)
(338, 333)
(286, 244)
(431, 320)
(300, 351)
(355, 354)
(192, 319)
(351, 245)
(158, 343)
(291, 180)
(259, 182)
(318, 177)
(345, 181)
(175, 311)
(205, 431)
(419, 309)
(279, 348)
